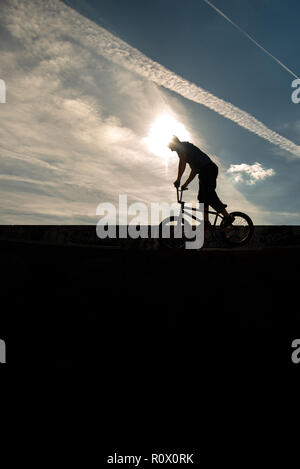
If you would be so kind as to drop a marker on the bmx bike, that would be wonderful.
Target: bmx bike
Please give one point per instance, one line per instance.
(238, 233)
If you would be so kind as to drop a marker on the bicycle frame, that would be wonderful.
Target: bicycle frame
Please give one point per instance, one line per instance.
(182, 203)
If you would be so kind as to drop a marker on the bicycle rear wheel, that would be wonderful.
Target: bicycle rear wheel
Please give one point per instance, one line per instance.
(239, 232)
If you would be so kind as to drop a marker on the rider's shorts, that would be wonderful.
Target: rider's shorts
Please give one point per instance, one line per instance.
(207, 187)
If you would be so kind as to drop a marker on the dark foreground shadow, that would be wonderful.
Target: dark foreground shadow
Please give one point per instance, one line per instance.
(129, 310)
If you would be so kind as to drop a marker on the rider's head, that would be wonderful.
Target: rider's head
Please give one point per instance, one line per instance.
(174, 144)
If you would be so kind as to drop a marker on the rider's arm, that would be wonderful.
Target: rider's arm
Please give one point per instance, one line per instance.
(181, 168)
(189, 179)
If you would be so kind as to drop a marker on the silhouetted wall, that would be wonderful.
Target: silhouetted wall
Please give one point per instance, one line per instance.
(86, 235)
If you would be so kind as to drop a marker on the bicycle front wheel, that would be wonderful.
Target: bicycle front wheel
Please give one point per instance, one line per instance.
(240, 231)
(171, 233)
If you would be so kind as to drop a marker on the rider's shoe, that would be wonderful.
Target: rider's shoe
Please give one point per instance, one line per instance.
(227, 221)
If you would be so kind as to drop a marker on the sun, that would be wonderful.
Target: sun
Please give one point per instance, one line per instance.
(161, 132)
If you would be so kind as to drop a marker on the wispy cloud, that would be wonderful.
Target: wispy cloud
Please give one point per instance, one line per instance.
(71, 132)
(253, 172)
(102, 42)
(113, 48)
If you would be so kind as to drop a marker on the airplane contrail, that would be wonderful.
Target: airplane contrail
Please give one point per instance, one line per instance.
(101, 42)
(251, 38)
(118, 51)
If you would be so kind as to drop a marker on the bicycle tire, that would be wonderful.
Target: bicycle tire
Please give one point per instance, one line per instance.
(231, 241)
(171, 242)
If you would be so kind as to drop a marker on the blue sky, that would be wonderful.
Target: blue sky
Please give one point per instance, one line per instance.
(80, 103)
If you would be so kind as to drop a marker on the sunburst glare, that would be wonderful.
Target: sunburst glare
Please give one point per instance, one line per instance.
(161, 132)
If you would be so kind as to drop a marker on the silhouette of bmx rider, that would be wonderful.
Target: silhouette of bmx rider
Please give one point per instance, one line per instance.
(207, 171)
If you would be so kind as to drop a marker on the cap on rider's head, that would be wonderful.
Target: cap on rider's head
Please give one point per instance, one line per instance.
(173, 145)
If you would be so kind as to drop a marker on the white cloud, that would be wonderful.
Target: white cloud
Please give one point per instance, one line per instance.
(71, 133)
(101, 42)
(72, 129)
(113, 48)
(253, 173)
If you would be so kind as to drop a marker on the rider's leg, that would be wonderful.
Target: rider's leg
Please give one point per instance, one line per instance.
(228, 219)
(202, 199)
(208, 184)
(206, 215)
(224, 213)
(207, 234)
(207, 190)
(215, 202)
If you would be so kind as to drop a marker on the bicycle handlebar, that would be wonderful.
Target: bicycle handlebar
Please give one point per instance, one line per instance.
(179, 194)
